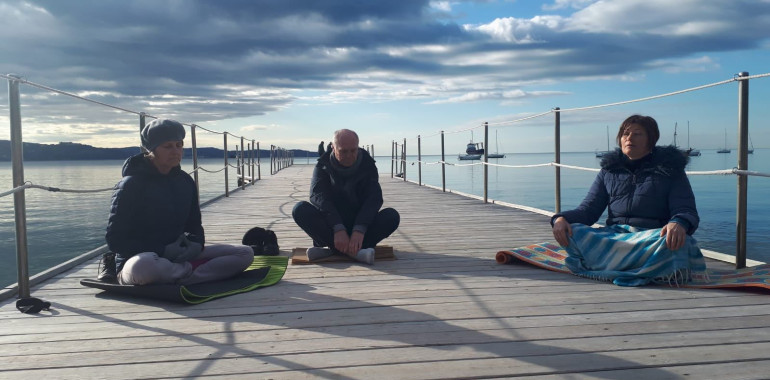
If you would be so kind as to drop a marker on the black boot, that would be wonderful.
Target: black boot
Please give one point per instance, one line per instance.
(107, 271)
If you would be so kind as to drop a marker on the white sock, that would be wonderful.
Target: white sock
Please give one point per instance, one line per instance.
(317, 253)
(366, 255)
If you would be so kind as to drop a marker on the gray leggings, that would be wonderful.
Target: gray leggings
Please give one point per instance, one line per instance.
(224, 261)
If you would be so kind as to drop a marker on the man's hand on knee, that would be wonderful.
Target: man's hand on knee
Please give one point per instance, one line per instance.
(341, 242)
(355, 243)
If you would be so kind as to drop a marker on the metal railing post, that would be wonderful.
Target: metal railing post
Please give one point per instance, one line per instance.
(259, 162)
(195, 161)
(486, 162)
(19, 200)
(403, 160)
(392, 157)
(227, 184)
(243, 167)
(272, 159)
(142, 123)
(252, 173)
(743, 164)
(557, 157)
(443, 165)
(419, 161)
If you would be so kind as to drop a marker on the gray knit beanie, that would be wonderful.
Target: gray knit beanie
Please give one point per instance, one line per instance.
(160, 131)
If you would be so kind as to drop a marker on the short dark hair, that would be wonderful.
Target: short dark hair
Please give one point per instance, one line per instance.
(648, 123)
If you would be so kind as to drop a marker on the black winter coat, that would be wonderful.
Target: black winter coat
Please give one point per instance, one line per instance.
(352, 200)
(647, 194)
(150, 210)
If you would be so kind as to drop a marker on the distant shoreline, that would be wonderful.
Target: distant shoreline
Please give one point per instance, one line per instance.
(80, 152)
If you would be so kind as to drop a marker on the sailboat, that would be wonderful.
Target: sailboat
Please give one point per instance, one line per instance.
(690, 151)
(724, 150)
(608, 151)
(751, 149)
(497, 150)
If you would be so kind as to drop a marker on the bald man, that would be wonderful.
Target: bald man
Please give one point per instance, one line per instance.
(343, 215)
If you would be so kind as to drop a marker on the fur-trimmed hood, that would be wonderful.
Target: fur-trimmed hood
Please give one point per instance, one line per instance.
(664, 158)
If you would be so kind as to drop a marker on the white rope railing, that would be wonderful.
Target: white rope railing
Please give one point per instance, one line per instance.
(703, 172)
(207, 170)
(30, 185)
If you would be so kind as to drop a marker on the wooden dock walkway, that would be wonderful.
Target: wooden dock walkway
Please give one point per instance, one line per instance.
(444, 309)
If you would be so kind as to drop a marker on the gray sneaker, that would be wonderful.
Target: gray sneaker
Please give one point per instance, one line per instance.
(318, 253)
(366, 255)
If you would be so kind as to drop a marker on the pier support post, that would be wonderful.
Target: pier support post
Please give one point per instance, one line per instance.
(743, 164)
(443, 165)
(259, 162)
(419, 161)
(557, 157)
(195, 160)
(486, 162)
(19, 200)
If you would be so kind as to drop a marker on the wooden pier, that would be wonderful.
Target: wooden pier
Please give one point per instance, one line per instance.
(444, 309)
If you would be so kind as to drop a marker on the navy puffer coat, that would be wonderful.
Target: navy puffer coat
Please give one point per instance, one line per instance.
(646, 193)
(150, 210)
(352, 200)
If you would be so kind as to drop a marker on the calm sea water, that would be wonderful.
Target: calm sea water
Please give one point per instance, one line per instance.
(64, 225)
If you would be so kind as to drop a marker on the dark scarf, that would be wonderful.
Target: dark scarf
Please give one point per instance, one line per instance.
(342, 170)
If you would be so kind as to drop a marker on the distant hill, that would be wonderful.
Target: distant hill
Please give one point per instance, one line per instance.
(75, 151)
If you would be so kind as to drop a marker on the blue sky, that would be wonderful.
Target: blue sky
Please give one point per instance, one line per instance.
(290, 72)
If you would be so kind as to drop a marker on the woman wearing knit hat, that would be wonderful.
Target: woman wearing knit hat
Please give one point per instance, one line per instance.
(155, 227)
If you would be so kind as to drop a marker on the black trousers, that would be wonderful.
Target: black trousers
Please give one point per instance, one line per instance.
(312, 221)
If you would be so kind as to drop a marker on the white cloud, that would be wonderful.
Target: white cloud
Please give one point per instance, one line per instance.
(443, 6)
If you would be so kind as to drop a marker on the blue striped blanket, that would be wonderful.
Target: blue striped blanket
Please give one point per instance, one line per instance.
(630, 256)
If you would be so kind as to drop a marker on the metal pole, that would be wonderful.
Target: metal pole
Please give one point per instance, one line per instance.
(142, 123)
(743, 164)
(227, 185)
(557, 156)
(403, 161)
(272, 159)
(259, 162)
(195, 161)
(443, 165)
(248, 160)
(19, 201)
(486, 162)
(243, 167)
(392, 157)
(419, 161)
(253, 169)
(237, 166)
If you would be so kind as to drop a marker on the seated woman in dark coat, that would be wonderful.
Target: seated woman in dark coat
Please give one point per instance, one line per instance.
(651, 215)
(155, 220)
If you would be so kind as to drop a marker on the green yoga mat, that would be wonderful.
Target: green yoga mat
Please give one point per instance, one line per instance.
(264, 271)
(551, 256)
